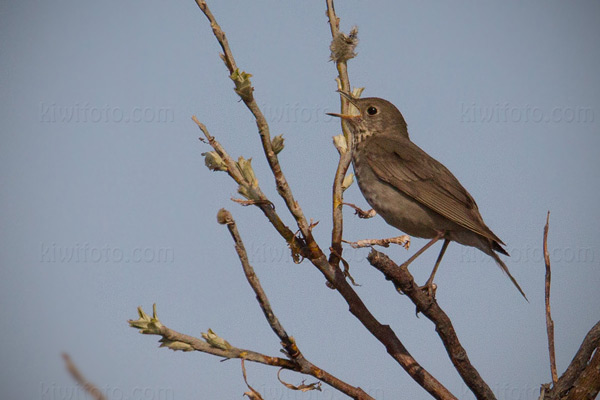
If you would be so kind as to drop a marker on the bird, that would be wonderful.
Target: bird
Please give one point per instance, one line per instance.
(411, 190)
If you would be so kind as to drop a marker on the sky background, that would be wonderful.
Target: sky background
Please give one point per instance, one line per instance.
(107, 204)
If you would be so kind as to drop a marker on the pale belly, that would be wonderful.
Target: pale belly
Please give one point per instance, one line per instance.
(396, 208)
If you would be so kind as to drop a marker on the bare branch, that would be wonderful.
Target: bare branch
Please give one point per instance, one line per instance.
(288, 342)
(403, 240)
(549, 322)
(337, 280)
(247, 97)
(253, 393)
(404, 281)
(345, 157)
(360, 212)
(259, 199)
(220, 35)
(312, 251)
(179, 341)
(80, 379)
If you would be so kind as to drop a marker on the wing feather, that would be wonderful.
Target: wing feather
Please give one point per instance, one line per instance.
(402, 164)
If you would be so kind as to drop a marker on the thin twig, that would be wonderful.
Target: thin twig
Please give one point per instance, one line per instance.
(80, 379)
(263, 202)
(288, 343)
(549, 322)
(253, 394)
(331, 271)
(263, 127)
(212, 345)
(404, 282)
(360, 212)
(403, 240)
(345, 157)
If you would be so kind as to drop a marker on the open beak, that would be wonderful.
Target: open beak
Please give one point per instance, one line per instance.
(345, 116)
(352, 101)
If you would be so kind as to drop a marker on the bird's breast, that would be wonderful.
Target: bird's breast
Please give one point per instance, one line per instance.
(395, 207)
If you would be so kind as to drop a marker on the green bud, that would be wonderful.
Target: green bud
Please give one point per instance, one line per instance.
(245, 167)
(243, 86)
(277, 144)
(214, 161)
(147, 325)
(215, 341)
(175, 345)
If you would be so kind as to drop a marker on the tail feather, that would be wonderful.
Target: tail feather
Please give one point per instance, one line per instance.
(496, 247)
(505, 269)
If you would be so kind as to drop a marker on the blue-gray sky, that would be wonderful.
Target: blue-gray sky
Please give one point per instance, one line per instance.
(107, 204)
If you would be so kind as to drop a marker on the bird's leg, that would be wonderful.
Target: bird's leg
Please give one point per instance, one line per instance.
(418, 253)
(429, 284)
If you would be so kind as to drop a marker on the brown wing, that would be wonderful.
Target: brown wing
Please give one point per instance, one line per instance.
(402, 164)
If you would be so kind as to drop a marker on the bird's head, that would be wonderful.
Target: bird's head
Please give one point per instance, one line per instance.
(375, 117)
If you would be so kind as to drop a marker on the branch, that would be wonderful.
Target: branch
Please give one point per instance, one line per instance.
(403, 281)
(345, 157)
(587, 385)
(245, 90)
(383, 333)
(403, 240)
(80, 379)
(213, 345)
(566, 382)
(331, 271)
(362, 213)
(288, 342)
(252, 189)
(549, 322)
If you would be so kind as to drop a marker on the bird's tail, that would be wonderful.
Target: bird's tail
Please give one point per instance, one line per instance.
(505, 269)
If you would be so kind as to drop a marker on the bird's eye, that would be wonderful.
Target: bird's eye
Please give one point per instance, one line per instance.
(371, 110)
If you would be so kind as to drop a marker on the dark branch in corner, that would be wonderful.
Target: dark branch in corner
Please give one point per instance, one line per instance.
(585, 361)
(403, 281)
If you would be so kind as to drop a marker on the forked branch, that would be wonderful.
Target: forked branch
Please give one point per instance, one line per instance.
(288, 343)
(425, 303)
(310, 249)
